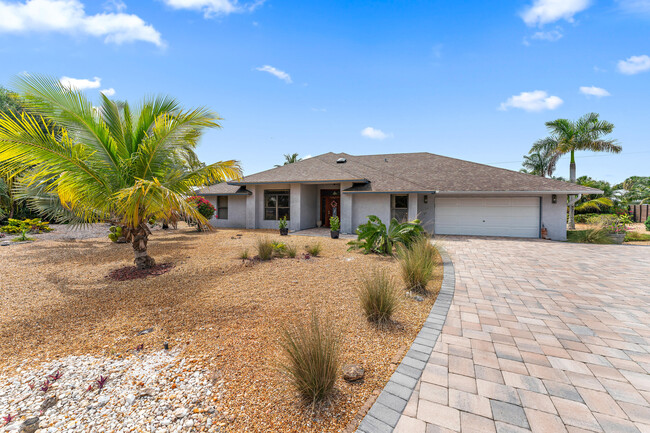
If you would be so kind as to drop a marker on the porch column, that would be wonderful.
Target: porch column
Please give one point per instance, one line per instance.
(346, 209)
(294, 206)
(251, 207)
(413, 207)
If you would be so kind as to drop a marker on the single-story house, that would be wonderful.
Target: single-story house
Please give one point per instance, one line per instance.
(450, 196)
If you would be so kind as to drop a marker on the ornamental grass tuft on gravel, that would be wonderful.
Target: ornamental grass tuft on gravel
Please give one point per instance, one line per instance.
(224, 313)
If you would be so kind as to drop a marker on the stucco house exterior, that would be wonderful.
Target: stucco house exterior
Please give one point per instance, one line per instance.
(450, 196)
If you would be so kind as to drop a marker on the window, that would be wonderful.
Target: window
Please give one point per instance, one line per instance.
(222, 207)
(276, 204)
(399, 207)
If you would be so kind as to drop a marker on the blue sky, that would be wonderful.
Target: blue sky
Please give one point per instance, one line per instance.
(474, 80)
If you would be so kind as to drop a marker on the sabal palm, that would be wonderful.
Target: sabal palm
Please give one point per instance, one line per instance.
(543, 161)
(111, 163)
(567, 137)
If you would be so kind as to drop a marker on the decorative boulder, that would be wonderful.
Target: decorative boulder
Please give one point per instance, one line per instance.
(353, 372)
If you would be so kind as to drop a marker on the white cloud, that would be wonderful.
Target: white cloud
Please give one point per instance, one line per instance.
(276, 72)
(115, 5)
(537, 100)
(594, 91)
(551, 36)
(548, 11)
(108, 92)
(69, 16)
(635, 6)
(211, 8)
(634, 65)
(375, 134)
(80, 83)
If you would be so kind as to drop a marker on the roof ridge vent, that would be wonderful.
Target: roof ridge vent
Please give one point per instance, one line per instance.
(341, 161)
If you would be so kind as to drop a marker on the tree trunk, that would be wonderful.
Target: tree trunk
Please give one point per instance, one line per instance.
(572, 206)
(139, 239)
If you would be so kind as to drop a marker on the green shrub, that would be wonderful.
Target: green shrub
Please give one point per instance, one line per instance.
(314, 250)
(374, 237)
(264, 248)
(417, 263)
(647, 224)
(598, 235)
(379, 297)
(23, 237)
(244, 254)
(282, 223)
(335, 224)
(603, 219)
(636, 237)
(204, 207)
(291, 251)
(34, 225)
(312, 358)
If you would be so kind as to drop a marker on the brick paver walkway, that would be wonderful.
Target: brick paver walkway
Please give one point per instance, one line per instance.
(542, 336)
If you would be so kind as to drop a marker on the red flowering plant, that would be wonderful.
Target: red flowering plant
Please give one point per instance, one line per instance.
(204, 207)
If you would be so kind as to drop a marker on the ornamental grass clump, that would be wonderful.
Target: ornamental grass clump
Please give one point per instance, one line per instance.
(291, 251)
(312, 358)
(597, 235)
(264, 249)
(314, 250)
(379, 297)
(417, 263)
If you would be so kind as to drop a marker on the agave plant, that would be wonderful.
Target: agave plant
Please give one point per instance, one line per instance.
(375, 237)
(108, 162)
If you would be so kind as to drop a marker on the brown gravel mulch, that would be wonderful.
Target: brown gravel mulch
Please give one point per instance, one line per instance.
(55, 301)
(133, 273)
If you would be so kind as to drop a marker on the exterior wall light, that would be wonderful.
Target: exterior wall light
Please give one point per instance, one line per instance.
(554, 198)
(426, 198)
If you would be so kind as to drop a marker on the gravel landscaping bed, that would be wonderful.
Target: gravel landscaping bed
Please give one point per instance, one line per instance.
(211, 307)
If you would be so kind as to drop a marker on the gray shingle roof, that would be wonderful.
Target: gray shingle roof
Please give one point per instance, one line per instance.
(223, 189)
(410, 172)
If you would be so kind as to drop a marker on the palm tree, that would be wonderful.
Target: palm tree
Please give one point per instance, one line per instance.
(111, 163)
(543, 161)
(289, 158)
(570, 136)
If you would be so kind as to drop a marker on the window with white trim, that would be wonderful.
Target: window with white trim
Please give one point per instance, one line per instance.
(222, 207)
(399, 207)
(276, 204)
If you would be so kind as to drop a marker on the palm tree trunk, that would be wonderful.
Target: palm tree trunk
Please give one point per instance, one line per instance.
(139, 239)
(572, 206)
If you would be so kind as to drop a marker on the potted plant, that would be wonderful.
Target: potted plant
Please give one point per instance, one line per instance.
(618, 229)
(282, 225)
(335, 225)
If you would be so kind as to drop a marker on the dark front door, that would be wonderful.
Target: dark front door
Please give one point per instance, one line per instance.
(330, 205)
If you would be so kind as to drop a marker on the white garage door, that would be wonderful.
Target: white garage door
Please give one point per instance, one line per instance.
(490, 216)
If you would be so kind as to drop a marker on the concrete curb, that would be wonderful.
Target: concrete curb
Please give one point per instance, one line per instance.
(385, 413)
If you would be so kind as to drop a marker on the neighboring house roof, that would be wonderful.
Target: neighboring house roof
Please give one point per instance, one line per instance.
(410, 172)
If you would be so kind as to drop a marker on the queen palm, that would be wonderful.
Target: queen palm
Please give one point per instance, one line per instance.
(289, 158)
(568, 136)
(110, 163)
(543, 161)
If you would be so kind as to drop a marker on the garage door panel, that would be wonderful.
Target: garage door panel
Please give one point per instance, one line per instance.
(488, 216)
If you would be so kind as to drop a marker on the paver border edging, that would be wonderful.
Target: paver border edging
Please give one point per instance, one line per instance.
(385, 413)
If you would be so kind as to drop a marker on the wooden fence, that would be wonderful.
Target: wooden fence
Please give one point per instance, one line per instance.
(640, 212)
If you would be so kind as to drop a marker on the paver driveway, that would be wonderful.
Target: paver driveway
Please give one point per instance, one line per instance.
(541, 336)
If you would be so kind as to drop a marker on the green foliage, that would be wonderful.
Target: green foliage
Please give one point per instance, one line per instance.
(244, 254)
(598, 235)
(34, 225)
(541, 162)
(647, 224)
(264, 248)
(282, 223)
(23, 237)
(335, 224)
(312, 358)
(637, 237)
(289, 158)
(374, 237)
(115, 233)
(204, 207)
(417, 263)
(291, 251)
(315, 249)
(279, 248)
(597, 205)
(379, 296)
(637, 189)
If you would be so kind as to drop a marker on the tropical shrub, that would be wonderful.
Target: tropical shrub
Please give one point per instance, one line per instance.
(315, 249)
(647, 224)
(282, 223)
(34, 225)
(22, 238)
(312, 358)
(264, 249)
(417, 263)
(335, 224)
(374, 237)
(379, 297)
(204, 207)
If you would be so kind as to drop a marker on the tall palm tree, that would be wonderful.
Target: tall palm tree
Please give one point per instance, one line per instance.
(111, 163)
(543, 161)
(568, 136)
(289, 158)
